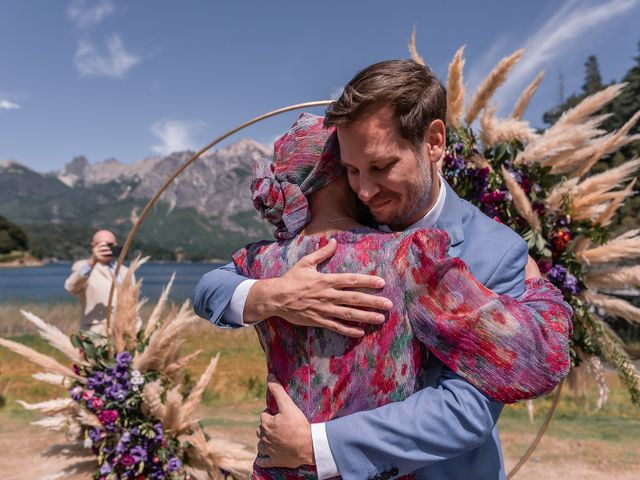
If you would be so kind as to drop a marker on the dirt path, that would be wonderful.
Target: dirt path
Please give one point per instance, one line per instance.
(21, 447)
(567, 459)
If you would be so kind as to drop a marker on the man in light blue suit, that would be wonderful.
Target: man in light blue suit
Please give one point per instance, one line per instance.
(448, 429)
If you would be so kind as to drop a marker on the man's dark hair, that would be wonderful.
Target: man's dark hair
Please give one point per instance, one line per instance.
(417, 96)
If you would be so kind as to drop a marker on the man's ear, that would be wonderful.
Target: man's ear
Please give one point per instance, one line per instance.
(435, 140)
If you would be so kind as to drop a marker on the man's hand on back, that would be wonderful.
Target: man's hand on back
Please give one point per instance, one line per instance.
(306, 297)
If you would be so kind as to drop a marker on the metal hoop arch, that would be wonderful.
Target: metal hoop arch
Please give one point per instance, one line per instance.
(184, 166)
(178, 172)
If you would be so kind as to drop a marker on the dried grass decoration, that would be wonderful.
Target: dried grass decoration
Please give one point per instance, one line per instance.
(127, 416)
(538, 184)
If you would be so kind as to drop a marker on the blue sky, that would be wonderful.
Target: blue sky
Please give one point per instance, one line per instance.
(129, 80)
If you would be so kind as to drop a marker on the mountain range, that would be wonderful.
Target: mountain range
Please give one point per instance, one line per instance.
(206, 213)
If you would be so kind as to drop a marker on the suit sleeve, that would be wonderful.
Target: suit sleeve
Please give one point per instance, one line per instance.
(508, 277)
(213, 293)
(77, 280)
(434, 424)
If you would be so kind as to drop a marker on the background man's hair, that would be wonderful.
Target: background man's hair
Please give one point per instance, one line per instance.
(417, 96)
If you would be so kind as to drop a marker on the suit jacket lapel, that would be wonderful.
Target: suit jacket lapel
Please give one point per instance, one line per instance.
(450, 219)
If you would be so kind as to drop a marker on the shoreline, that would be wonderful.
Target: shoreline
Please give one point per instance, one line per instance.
(34, 262)
(22, 262)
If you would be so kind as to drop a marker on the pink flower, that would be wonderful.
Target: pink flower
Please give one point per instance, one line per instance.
(96, 403)
(127, 460)
(108, 416)
(87, 394)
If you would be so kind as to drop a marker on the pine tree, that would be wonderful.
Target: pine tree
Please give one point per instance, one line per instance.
(628, 102)
(592, 77)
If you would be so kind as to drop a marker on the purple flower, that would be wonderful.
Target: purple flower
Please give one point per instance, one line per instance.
(159, 431)
(139, 453)
(76, 393)
(121, 447)
(117, 392)
(96, 380)
(174, 464)
(105, 468)
(571, 285)
(516, 175)
(95, 435)
(565, 281)
(557, 274)
(123, 359)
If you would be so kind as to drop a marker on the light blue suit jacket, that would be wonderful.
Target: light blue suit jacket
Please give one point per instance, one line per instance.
(448, 429)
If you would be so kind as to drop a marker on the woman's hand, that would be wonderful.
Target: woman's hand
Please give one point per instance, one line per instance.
(531, 270)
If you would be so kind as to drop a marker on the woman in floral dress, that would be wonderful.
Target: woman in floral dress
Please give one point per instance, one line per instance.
(438, 306)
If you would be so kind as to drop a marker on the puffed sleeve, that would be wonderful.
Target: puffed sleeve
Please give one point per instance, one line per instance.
(246, 259)
(509, 349)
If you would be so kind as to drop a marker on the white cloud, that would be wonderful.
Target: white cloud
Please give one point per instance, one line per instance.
(85, 16)
(115, 63)
(558, 36)
(175, 135)
(7, 105)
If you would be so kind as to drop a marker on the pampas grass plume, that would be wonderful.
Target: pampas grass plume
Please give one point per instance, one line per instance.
(455, 89)
(487, 88)
(415, 56)
(525, 97)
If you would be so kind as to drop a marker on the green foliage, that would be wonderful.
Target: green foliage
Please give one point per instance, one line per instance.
(592, 77)
(12, 237)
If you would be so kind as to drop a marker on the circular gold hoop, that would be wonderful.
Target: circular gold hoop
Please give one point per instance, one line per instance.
(184, 166)
(541, 432)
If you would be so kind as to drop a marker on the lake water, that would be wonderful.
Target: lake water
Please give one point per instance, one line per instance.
(46, 284)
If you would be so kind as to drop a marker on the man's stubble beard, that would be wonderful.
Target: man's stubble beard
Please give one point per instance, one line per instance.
(419, 194)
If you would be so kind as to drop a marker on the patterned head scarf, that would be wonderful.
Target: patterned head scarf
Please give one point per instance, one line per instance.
(305, 159)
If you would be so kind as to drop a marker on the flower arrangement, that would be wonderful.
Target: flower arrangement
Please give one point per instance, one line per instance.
(537, 184)
(128, 415)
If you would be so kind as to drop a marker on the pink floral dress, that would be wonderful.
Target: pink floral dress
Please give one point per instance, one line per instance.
(439, 307)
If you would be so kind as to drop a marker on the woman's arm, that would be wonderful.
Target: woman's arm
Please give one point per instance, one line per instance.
(510, 349)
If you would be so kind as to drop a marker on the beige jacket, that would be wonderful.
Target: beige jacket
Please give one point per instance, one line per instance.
(93, 292)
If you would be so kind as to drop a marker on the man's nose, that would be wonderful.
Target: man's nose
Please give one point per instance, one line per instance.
(367, 188)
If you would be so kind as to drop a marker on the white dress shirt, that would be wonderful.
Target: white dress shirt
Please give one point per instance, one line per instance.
(325, 463)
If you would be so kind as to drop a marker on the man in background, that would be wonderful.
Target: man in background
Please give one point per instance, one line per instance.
(91, 279)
